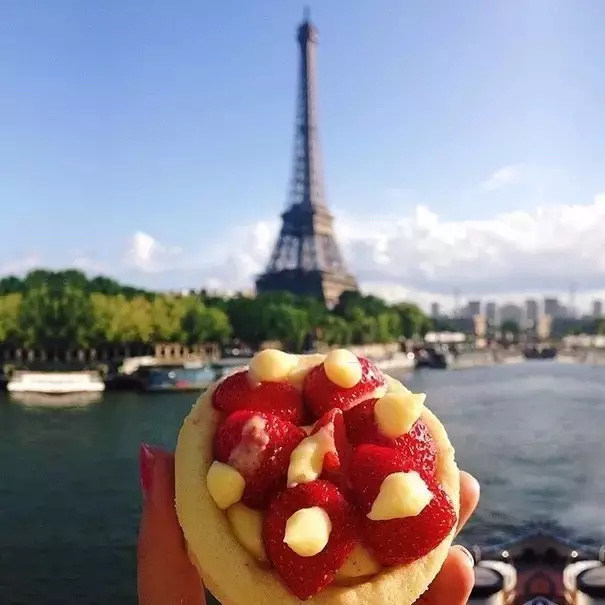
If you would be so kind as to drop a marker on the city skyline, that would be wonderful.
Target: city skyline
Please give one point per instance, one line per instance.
(445, 168)
(528, 311)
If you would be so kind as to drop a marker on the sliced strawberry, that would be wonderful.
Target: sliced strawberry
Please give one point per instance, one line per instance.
(336, 463)
(397, 541)
(306, 576)
(321, 394)
(238, 392)
(258, 445)
(418, 444)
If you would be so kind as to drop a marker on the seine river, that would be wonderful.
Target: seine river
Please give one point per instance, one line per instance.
(533, 433)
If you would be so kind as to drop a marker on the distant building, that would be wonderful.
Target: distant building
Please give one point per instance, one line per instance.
(597, 309)
(543, 327)
(435, 309)
(474, 308)
(183, 293)
(552, 307)
(480, 325)
(491, 313)
(511, 313)
(531, 312)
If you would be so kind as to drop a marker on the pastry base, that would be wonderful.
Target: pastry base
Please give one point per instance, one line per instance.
(235, 577)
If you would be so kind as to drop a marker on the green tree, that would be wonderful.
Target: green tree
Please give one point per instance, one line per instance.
(388, 326)
(245, 318)
(71, 278)
(55, 316)
(335, 330)
(364, 329)
(11, 285)
(9, 318)
(414, 322)
(119, 320)
(285, 323)
(36, 279)
(202, 324)
(166, 316)
(351, 301)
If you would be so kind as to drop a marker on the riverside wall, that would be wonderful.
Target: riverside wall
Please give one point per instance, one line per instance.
(593, 356)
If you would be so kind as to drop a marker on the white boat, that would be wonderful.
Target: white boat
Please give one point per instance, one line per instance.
(55, 383)
(63, 400)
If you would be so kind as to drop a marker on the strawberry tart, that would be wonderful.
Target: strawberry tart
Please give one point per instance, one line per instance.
(315, 478)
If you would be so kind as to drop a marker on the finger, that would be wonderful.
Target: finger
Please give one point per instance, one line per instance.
(454, 582)
(469, 497)
(165, 574)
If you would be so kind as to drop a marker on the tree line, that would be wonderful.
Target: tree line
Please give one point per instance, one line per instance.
(66, 309)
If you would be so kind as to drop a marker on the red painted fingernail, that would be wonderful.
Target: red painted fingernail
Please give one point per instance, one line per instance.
(146, 461)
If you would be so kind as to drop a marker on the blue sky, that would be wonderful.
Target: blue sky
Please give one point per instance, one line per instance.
(153, 140)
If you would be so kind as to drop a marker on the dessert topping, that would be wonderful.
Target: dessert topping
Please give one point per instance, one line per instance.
(401, 495)
(307, 458)
(342, 368)
(401, 540)
(272, 365)
(246, 455)
(396, 412)
(258, 445)
(225, 484)
(322, 395)
(307, 575)
(305, 364)
(308, 531)
(236, 392)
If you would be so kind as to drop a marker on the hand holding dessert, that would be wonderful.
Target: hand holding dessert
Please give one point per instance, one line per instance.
(166, 575)
(313, 477)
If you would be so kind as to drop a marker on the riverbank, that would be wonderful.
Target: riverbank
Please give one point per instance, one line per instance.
(595, 357)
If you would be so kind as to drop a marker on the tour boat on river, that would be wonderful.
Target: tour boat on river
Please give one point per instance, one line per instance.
(539, 569)
(177, 377)
(55, 383)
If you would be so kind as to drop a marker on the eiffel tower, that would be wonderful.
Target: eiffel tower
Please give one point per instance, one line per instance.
(306, 259)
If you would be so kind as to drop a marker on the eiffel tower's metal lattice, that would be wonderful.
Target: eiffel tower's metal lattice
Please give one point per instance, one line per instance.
(306, 258)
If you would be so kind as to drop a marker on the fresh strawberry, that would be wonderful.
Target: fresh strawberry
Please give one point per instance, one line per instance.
(397, 541)
(258, 445)
(418, 444)
(336, 462)
(321, 394)
(238, 392)
(306, 576)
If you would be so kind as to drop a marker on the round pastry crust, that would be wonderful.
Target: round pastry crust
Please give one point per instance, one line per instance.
(235, 577)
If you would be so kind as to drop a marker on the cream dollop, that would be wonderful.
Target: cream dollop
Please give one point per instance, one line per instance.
(225, 484)
(401, 495)
(308, 531)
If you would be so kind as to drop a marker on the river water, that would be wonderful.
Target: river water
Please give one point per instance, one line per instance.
(533, 434)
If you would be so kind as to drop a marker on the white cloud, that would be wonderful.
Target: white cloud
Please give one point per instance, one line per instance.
(21, 265)
(419, 256)
(548, 247)
(507, 175)
(425, 257)
(232, 263)
(148, 255)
